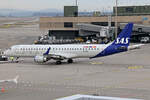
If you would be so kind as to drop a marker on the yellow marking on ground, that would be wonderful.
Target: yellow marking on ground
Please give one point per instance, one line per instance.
(135, 67)
(96, 63)
(7, 26)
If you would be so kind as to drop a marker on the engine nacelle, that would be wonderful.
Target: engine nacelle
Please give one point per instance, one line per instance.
(40, 59)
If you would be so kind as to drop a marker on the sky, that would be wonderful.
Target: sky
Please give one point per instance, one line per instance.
(84, 5)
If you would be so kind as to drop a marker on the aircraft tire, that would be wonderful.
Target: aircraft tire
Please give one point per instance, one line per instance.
(58, 62)
(70, 61)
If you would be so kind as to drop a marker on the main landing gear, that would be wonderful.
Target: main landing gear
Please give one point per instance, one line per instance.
(70, 61)
(59, 62)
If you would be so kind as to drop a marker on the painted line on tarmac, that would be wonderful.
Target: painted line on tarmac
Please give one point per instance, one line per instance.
(96, 63)
(135, 67)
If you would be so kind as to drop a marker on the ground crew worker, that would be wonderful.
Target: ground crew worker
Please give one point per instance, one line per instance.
(12, 59)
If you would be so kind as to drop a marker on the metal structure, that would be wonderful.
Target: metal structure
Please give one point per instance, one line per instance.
(139, 32)
(70, 11)
(116, 19)
(89, 29)
(132, 10)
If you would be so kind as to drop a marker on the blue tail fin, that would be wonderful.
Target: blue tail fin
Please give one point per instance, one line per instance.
(120, 44)
(123, 38)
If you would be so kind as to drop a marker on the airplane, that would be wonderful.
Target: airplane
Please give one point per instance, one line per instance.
(44, 53)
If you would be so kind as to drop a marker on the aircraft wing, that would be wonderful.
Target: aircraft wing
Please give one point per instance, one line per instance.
(61, 56)
(58, 56)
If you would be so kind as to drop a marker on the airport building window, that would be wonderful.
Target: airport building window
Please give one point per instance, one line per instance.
(68, 24)
(129, 9)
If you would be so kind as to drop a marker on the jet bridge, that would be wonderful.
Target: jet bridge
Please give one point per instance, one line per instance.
(99, 31)
(139, 33)
(102, 34)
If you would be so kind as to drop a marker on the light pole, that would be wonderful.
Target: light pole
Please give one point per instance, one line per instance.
(116, 19)
(76, 2)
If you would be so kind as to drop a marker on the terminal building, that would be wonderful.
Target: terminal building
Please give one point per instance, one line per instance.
(67, 26)
(133, 10)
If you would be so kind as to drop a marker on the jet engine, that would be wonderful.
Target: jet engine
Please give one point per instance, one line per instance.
(40, 59)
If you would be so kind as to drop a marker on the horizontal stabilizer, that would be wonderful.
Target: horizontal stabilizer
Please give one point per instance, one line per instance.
(132, 47)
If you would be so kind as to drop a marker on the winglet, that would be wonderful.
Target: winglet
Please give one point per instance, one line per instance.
(47, 52)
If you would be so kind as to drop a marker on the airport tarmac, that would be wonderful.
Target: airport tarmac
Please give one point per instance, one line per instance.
(124, 75)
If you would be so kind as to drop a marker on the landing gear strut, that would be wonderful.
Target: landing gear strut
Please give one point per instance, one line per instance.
(70, 61)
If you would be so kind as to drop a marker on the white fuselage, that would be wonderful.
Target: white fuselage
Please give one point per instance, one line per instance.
(68, 50)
